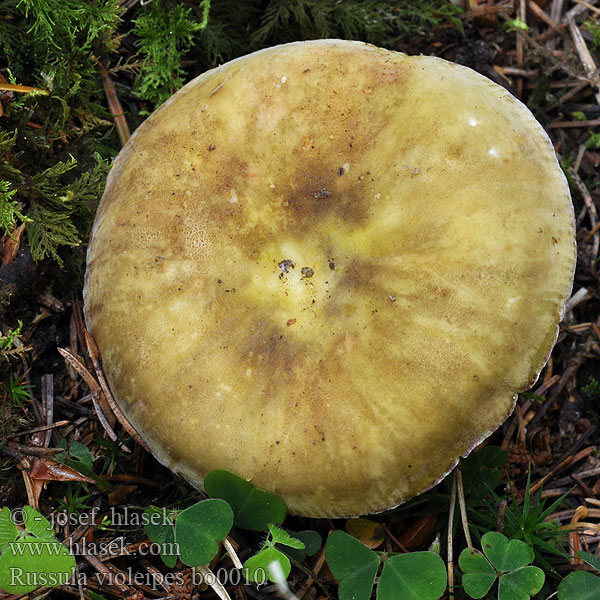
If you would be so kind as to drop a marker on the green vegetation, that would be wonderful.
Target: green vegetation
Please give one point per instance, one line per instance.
(527, 519)
(75, 499)
(53, 170)
(165, 34)
(502, 570)
(17, 390)
(9, 346)
(507, 561)
(415, 576)
(592, 388)
(33, 552)
(582, 585)
(260, 565)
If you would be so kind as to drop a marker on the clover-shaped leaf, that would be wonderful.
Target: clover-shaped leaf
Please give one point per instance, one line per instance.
(506, 560)
(520, 584)
(33, 562)
(481, 470)
(505, 555)
(352, 564)
(580, 585)
(281, 536)
(36, 524)
(160, 529)
(82, 454)
(8, 530)
(199, 528)
(479, 575)
(413, 576)
(33, 557)
(253, 508)
(79, 458)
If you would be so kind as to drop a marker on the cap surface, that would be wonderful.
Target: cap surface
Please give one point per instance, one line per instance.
(328, 268)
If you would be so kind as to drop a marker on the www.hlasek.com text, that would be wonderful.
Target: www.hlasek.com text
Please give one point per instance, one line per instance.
(115, 547)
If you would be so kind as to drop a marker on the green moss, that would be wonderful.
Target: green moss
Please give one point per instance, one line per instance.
(164, 35)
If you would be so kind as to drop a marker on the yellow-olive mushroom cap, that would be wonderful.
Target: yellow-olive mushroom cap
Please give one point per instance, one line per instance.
(328, 268)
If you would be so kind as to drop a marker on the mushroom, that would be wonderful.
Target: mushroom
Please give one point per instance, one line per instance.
(329, 268)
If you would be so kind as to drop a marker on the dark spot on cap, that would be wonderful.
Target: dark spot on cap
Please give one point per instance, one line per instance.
(211, 148)
(321, 193)
(307, 272)
(318, 193)
(332, 264)
(285, 265)
(341, 171)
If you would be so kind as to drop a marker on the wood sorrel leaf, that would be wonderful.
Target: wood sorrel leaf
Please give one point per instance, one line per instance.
(352, 564)
(590, 559)
(8, 530)
(478, 573)
(580, 585)
(253, 508)
(504, 555)
(520, 584)
(413, 576)
(160, 529)
(33, 562)
(199, 528)
(36, 524)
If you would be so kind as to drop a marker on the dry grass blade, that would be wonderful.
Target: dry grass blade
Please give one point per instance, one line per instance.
(589, 6)
(94, 389)
(94, 354)
(216, 585)
(108, 574)
(22, 89)
(48, 404)
(584, 55)
(592, 212)
(114, 105)
(35, 430)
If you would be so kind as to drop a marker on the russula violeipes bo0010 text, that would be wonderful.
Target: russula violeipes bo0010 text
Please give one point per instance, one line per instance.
(328, 268)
